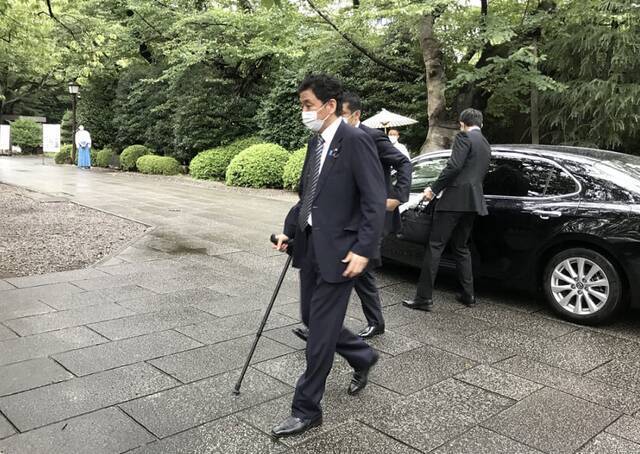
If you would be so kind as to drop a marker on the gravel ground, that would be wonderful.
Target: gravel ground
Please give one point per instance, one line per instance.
(39, 234)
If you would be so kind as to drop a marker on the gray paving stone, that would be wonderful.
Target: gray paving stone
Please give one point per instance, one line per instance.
(45, 344)
(125, 293)
(123, 352)
(337, 407)
(6, 333)
(393, 343)
(233, 327)
(352, 437)
(6, 429)
(103, 432)
(4, 285)
(600, 393)
(225, 436)
(169, 412)
(138, 325)
(499, 382)
(218, 358)
(286, 337)
(438, 324)
(417, 369)
(479, 440)
(200, 298)
(626, 427)
(55, 278)
(551, 420)
(22, 309)
(605, 443)
(234, 305)
(289, 368)
(66, 319)
(53, 403)
(76, 300)
(622, 372)
(513, 319)
(579, 351)
(125, 268)
(36, 293)
(445, 411)
(26, 375)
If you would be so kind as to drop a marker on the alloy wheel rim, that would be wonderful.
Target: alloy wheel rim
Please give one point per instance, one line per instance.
(580, 286)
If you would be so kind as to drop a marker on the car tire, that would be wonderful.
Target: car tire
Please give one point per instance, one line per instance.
(583, 286)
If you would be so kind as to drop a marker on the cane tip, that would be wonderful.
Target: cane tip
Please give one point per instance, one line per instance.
(236, 392)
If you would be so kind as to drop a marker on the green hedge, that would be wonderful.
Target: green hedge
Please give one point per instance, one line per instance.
(27, 134)
(131, 154)
(212, 164)
(293, 169)
(158, 165)
(64, 155)
(103, 157)
(259, 166)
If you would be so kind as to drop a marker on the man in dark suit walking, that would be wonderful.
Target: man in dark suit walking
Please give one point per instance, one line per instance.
(459, 199)
(390, 158)
(336, 225)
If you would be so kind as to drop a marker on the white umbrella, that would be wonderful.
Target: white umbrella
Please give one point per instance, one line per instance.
(385, 119)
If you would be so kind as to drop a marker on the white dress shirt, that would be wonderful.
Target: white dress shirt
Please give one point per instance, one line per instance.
(327, 135)
(402, 149)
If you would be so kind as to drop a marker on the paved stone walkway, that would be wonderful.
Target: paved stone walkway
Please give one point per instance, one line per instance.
(140, 353)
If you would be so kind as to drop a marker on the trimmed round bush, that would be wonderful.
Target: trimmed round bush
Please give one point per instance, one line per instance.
(64, 155)
(293, 169)
(103, 157)
(131, 154)
(212, 164)
(259, 166)
(158, 165)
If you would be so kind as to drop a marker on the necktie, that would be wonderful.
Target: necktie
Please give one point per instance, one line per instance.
(311, 184)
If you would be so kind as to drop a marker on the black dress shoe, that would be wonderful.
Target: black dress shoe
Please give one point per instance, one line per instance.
(370, 331)
(361, 377)
(302, 333)
(294, 426)
(466, 300)
(422, 305)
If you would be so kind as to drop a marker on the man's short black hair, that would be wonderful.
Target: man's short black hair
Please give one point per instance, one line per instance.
(354, 101)
(325, 88)
(471, 117)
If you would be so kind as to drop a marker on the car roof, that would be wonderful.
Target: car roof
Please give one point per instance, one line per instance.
(563, 152)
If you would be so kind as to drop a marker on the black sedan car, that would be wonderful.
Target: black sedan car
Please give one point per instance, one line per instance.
(563, 220)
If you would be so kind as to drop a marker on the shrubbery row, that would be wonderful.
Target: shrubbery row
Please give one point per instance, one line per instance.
(246, 162)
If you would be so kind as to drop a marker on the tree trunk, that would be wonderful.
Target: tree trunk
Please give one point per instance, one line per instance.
(441, 131)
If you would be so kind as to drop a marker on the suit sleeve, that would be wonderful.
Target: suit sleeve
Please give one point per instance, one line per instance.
(369, 179)
(291, 221)
(391, 156)
(459, 154)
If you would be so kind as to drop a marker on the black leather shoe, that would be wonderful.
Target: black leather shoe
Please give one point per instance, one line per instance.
(361, 378)
(370, 331)
(422, 305)
(294, 426)
(302, 333)
(466, 300)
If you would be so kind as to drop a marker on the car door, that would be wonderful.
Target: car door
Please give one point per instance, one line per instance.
(529, 199)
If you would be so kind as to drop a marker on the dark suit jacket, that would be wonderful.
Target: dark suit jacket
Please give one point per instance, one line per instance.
(391, 158)
(349, 205)
(464, 174)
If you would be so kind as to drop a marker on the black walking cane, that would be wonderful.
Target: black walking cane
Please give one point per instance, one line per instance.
(274, 240)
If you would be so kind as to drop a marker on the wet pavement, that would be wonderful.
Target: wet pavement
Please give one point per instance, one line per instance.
(139, 353)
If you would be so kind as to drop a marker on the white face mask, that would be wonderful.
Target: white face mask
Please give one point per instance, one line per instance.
(311, 121)
(393, 139)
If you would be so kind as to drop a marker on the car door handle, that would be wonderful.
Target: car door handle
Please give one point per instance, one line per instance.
(542, 214)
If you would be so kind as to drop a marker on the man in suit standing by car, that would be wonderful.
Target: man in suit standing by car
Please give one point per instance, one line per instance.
(460, 199)
(337, 225)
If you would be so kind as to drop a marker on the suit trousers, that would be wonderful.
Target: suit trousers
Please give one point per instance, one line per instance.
(369, 295)
(448, 225)
(323, 306)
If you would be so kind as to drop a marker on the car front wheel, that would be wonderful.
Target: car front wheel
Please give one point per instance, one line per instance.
(583, 286)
